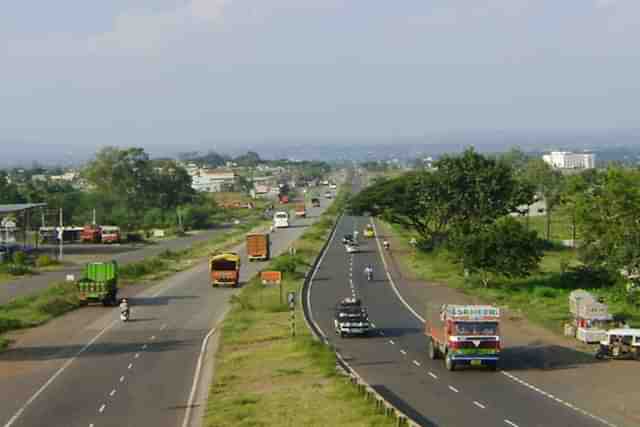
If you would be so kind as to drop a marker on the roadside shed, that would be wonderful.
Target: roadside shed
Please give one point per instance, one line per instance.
(15, 223)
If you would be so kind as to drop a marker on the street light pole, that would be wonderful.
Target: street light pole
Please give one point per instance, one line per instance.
(60, 254)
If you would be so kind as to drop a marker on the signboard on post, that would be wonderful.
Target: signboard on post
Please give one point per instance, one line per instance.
(271, 277)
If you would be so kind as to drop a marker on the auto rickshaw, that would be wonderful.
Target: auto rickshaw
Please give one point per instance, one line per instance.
(621, 343)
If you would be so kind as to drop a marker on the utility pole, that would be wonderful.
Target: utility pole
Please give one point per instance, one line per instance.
(94, 216)
(61, 235)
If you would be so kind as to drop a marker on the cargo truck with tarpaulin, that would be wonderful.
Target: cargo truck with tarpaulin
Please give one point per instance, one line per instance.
(99, 283)
(464, 335)
(258, 246)
(224, 269)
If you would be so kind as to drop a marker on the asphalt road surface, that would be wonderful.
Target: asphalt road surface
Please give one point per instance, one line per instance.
(394, 361)
(97, 371)
(124, 254)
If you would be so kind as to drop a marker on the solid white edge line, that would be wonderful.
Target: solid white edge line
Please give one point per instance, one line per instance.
(41, 390)
(393, 284)
(315, 271)
(196, 378)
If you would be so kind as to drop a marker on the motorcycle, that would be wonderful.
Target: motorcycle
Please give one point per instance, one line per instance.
(124, 315)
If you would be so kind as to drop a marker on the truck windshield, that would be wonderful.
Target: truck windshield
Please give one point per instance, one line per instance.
(223, 265)
(477, 328)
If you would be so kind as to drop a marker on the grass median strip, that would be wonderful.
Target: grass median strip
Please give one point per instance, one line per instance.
(59, 298)
(266, 377)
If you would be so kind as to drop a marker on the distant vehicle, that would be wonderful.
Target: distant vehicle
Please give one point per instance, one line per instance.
(328, 195)
(333, 186)
(352, 247)
(258, 246)
(301, 210)
(465, 335)
(315, 202)
(623, 343)
(99, 283)
(281, 219)
(368, 231)
(224, 269)
(325, 182)
(91, 234)
(348, 238)
(110, 234)
(351, 318)
(284, 199)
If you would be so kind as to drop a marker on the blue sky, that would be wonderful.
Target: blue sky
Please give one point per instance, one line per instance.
(182, 72)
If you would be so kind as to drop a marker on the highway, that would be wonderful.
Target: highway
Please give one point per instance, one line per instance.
(90, 369)
(394, 361)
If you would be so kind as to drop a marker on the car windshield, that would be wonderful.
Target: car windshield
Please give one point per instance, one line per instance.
(476, 328)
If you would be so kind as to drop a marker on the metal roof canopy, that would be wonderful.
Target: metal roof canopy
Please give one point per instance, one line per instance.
(6, 209)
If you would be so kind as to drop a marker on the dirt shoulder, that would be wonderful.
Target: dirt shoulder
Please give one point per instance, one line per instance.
(555, 364)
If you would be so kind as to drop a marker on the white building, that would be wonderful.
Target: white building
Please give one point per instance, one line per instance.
(214, 181)
(568, 160)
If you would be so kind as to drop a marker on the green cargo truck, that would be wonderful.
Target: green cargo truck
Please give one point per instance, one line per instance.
(99, 283)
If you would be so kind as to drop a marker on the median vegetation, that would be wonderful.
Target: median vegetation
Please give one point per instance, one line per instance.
(266, 377)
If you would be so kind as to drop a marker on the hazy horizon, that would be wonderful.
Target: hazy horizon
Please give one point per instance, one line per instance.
(181, 75)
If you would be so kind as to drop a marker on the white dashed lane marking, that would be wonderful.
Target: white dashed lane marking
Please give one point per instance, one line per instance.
(511, 423)
(113, 392)
(102, 408)
(122, 379)
(415, 362)
(432, 375)
(163, 327)
(153, 337)
(453, 389)
(479, 405)
(136, 355)
(130, 366)
(391, 341)
(403, 352)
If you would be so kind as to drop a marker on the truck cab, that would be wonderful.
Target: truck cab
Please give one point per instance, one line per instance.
(281, 219)
(465, 335)
(224, 269)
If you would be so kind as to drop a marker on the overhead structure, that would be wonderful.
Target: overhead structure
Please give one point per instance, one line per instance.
(9, 223)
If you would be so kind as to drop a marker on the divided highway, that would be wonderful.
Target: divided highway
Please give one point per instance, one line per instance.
(394, 361)
(136, 374)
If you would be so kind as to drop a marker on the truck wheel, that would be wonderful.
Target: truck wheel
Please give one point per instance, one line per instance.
(433, 352)
(449, 363)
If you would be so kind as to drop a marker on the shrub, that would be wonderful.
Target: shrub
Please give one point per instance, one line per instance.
(18, 269)
(19, 258)
(45, 261)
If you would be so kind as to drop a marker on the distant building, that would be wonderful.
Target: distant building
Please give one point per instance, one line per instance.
(214, 181)
(67, 177)
(569, 160)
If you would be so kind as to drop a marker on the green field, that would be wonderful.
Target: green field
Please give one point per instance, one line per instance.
(265, 377)
(542, 297)
(561, 225)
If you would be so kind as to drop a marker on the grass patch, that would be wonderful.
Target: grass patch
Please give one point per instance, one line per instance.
(264, 377)
(561, 225)
(542, 297)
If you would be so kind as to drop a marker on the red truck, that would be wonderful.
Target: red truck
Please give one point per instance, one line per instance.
(464, 335)
(91, 234)
(110, 234)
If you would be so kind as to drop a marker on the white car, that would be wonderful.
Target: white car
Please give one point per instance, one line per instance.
(352, 248)
(328, 195)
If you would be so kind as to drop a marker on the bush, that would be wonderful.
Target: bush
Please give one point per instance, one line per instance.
(545, 292)
(287, 263)
(18, 269)
(45, 261)
(19, 258)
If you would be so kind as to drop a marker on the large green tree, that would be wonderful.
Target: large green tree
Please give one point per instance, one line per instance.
(608, 221)
(505, 248)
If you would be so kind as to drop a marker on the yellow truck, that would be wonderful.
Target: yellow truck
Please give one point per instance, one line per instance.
(224, 269)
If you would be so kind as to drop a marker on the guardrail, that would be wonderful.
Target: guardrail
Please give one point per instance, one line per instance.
(369, 393)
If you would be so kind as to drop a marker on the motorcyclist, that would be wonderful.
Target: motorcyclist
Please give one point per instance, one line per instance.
(355, 235)
(385, 243)
(368, 271)
(124, 308)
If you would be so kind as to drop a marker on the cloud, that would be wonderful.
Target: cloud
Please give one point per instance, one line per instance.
(143, 31)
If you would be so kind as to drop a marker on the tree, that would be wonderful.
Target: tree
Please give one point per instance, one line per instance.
(608, 221)
(548, 183)
(478, 190)
(505, 248)
(8, 191)
(251, 159)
